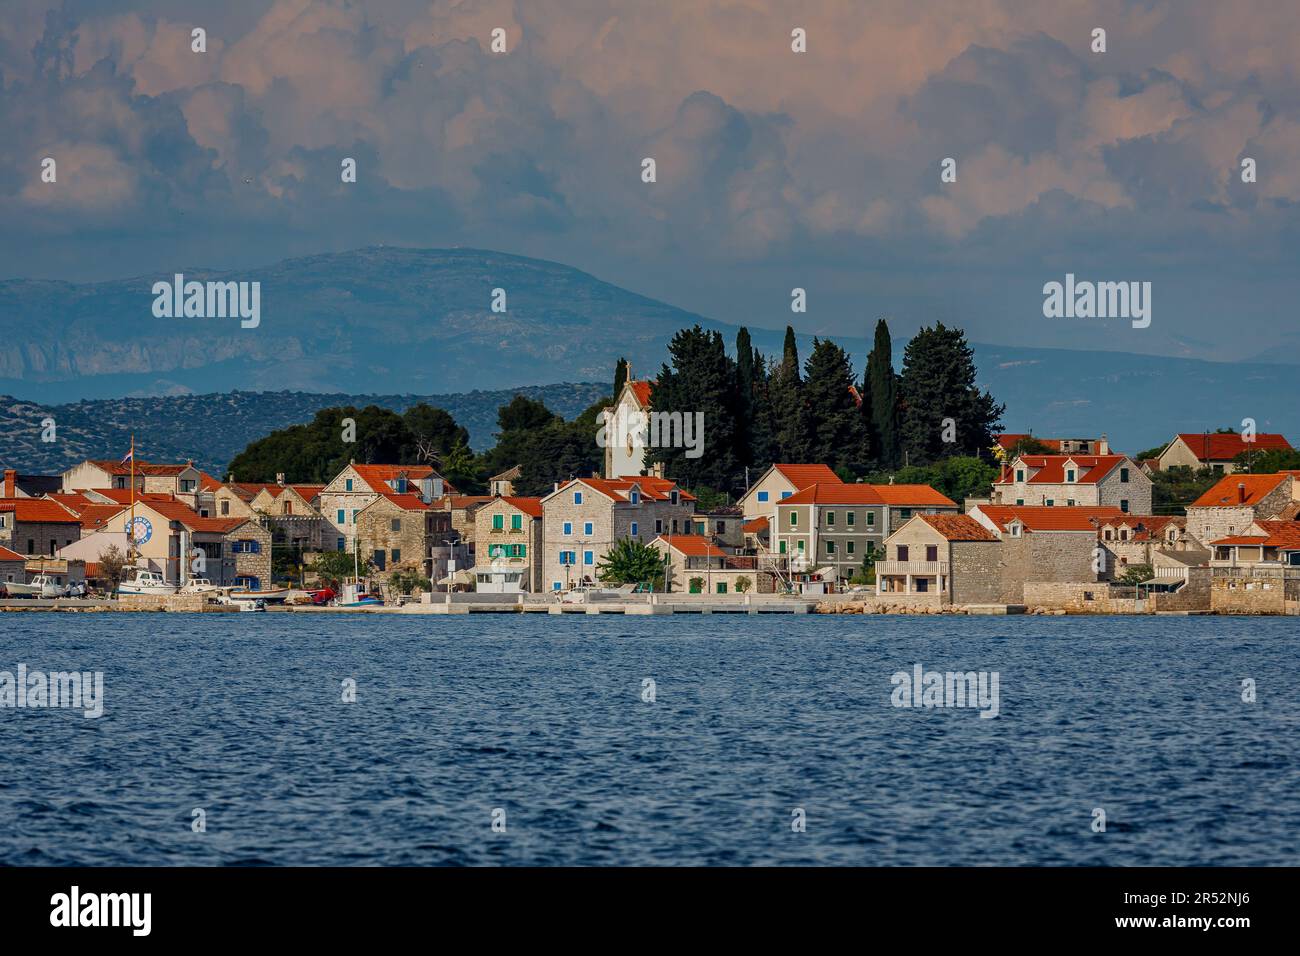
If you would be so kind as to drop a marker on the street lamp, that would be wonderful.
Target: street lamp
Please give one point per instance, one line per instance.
(451, 567)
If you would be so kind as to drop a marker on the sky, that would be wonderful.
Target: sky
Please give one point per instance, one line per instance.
(775, 169)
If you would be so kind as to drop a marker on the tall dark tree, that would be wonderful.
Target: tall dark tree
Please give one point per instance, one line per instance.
(880, 399)
(517, 421)
(838, 436)
(762, 423)
(620, 377)
(789, 407)
(940, 400)
(745, 390)
(701, 378)
(559, 451)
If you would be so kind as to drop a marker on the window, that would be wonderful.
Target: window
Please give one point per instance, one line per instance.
(395, 525)
(922, 585)
(342, 517)
(516, 522)
(722, 587)
(1050, 502)
(379, 559)
(830, 519)
(588, 557)
(781, 546)
(1020, 502)
(674, 497)
(674, 526)
(187, 484)
(1123, 534)
(800, 543)
(659, 526)
(786, 494)
(932, 552)
(399, 485)
(849, 518)
(762, 497)
(1020, 474)
(871, 519)
(354, 515)
(31, 545)
(634, 529)
(636, 497)
(699, 527)
(343, 544)
(566, 557)
(347, 484)
(830, 547)
(225, 507)
(498, 522)
(1069, 503)
(1108, 534)
(848, 547)
(1123, 475)
(568, 528)
(794, 519)
(288, 507)
(586, 528)
(1069, 475)
(902, 552)
(905, 513)
(397, 555)
(1015, 530)
(1123, 505)
(555, 585)
(577, 497)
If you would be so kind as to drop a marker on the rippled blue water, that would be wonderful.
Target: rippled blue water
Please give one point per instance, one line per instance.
(242, 716)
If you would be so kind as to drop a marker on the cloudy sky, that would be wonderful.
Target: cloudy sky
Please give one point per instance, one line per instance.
(776, 169)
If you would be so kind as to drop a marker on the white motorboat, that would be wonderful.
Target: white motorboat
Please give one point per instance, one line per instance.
(258, 605)
(146, 582)
(41, 586)
(199, 586)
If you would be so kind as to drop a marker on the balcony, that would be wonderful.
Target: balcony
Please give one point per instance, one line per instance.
(922, 569)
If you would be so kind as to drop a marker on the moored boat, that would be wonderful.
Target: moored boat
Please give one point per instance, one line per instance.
(146, 582)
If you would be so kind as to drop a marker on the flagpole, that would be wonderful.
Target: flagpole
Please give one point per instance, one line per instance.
(131, 526)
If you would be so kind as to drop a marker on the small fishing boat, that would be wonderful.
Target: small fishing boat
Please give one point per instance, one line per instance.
(146, 582)
(275, 595)
(251, 605)
(41, 586)
(199, 586)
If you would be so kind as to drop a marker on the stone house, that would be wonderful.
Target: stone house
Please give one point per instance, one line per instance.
(1237, 501)
(697, 564)
(780, 482)
(583, 518)
(1216, 451)
(397, 531)
(1257, 572)
(36, 526)
(508, 534)
(245, 555)
(234, 499)
(724, 524)
(938, 559)
(342, 499)
(1059, 446)
(1073, 481)
(291, 513)
(12, 567)
(1044, 544)
(503, 485)
(831, 528)
(100, 473)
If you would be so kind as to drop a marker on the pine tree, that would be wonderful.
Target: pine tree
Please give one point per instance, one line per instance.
(789, 409)
(701, 379)
(880, 399)
(762, 425)
(937, 384)
(837, 435)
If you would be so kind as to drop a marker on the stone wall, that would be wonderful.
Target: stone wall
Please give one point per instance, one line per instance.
(1046, 556)
(976, 572)
(1208, 525)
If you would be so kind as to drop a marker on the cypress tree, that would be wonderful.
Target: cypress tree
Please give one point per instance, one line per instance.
(620, 377)
(838, 435)
(745, 383)
(701, 379)
(789, 409)
(880, 398)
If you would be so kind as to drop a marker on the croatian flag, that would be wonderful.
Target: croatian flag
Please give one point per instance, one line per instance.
(129, 455)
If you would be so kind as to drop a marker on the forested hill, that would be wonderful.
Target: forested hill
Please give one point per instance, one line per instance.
(211, 429)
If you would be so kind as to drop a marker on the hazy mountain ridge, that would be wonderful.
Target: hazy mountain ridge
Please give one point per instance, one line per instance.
(211, 429)
(402, 323)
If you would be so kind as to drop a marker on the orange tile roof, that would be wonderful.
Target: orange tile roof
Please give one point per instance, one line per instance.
(641, 390)
(756, 526)
(207, 482)
(655, 488)
(1009, 440)
(692, 545)
(1042, 518)
(7, 555)
(840, 493)
(96, 517)
(529, 506)
(123, 495)
(308, 492)
(39, 510)
(1278, 534)
(72, 500)
(1227, 447)
(1050, 469)
(801, 476)
(959, 527)
(248, 490)
(1225, 493)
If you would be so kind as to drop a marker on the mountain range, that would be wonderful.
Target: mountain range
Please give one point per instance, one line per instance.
(393, 326)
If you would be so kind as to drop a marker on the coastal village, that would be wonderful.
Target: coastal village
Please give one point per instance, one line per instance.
(1057, 532)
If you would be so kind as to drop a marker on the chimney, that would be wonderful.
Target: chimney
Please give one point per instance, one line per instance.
(1103, 446)
(279, 478)
(11, 483)
(1241, 492)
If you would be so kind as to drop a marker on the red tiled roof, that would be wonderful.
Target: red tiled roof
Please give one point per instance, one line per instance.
(756, 526)
(1228, 446)
(1278, 534)
(1009, 440)
(1042, 518)
(692, 545)
(641, 390)
(656, 488)
(96, 517)
(1225, 493)
(7, 555)
(39, 510)
(308, 492)
(248, 490)
(1050, 469)
(123, 495)
(160, 471)
(207, 482)
(959, 527)
(801, 476)
(839, 493)
(72, 500)
(529, 506)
